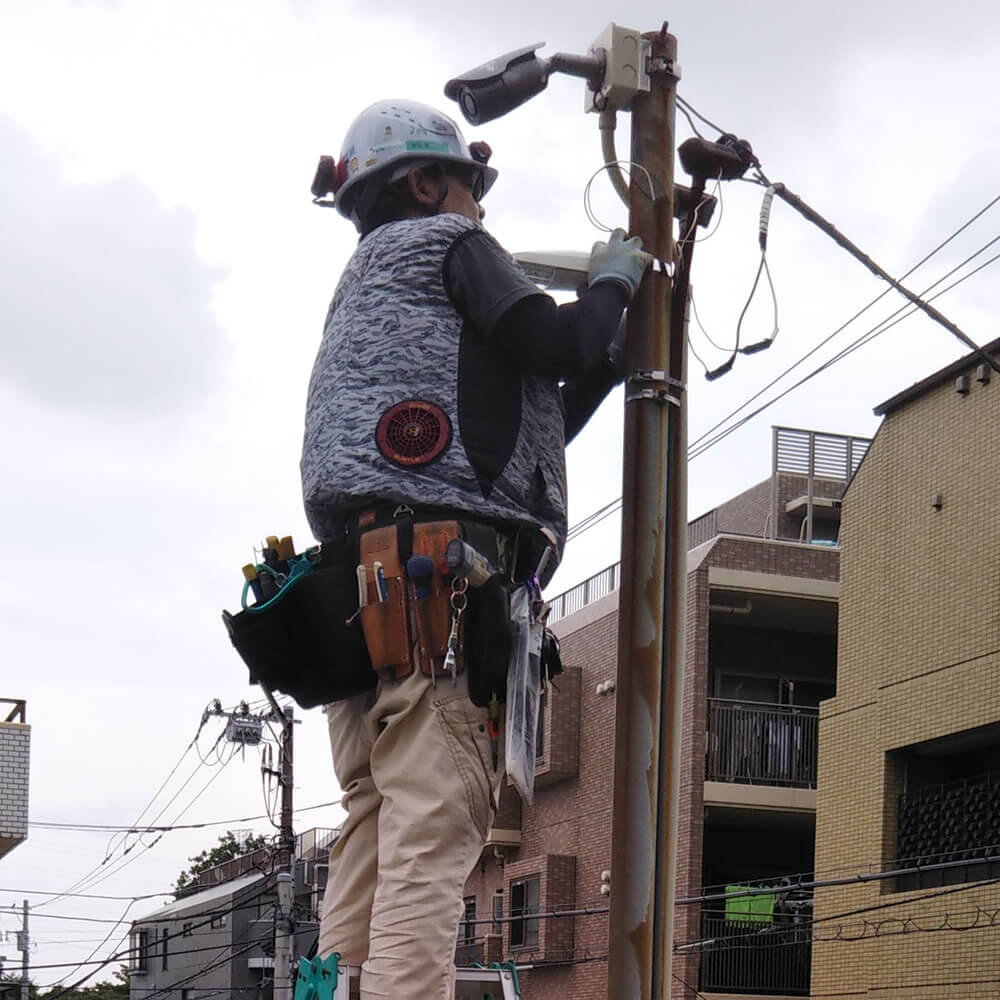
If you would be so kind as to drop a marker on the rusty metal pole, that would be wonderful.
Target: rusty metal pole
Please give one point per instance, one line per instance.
(652, 597)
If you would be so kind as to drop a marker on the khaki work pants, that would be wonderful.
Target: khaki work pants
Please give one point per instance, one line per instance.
(415, 766)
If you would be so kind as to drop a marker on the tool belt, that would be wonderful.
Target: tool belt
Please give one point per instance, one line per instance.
(359, 615)
(417, 614)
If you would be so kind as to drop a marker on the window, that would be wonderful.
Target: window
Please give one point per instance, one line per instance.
(219, 920)
(186, 930)
(944, 803)
(523, 903)
(164, 938)
(139, 951)
(467, 930)
(498, 912)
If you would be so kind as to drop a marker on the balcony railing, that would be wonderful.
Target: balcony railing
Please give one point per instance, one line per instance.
(762, 958)
(759, 744)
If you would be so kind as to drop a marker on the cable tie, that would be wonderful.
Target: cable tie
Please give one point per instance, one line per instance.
(765, 218)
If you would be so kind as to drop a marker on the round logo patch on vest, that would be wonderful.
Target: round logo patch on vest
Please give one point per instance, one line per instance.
(413, 433)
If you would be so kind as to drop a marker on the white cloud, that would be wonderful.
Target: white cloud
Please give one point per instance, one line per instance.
(104, 305)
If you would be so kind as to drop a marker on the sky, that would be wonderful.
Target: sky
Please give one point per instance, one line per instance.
(163, 282)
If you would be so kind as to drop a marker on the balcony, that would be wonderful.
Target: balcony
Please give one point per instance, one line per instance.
(15, 753)
(754, 956)
(760, 744)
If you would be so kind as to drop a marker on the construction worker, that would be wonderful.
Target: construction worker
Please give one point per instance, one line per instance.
(445, 389)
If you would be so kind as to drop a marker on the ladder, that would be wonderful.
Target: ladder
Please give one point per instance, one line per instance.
(315, 979)
(470, 984)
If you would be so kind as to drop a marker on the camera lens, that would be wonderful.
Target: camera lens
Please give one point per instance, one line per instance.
(469, 105)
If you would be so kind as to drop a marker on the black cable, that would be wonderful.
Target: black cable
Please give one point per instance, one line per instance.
(875, 331)
(863, 310)
(245, 904)
(123, 863)
(686, 106)
(104, 828)
(807, 925)
(154, 948)
(697, 448)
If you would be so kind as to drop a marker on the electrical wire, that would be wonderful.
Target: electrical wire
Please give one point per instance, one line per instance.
(628, 165)
(104, 828)
(882, 327)
(124, 862)
(88, 880)
(697, 448)
(861, 312)
(690, 108)
(860, 911)
(248, 903)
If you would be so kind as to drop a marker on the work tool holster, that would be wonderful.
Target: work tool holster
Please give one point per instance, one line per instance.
(405, 621)
(418, 621)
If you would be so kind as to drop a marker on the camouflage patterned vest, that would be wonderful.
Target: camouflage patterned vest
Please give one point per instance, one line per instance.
(408, 403)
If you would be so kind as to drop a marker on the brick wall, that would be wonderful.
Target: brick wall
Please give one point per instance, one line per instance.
(919, 659)
(572, 818)
(15, 753)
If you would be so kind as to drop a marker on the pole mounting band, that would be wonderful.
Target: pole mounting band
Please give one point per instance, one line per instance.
(653, 384)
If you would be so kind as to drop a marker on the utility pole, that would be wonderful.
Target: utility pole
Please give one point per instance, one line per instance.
(24, 947)
(247, 730)
(652, 599)
(284, 925)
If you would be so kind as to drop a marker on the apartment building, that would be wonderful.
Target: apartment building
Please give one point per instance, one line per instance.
(218, 939)
(15, 758)
(760, 656)
(909, 762)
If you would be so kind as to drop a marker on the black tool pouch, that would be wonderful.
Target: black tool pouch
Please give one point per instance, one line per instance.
(552, 664)
(308, 643)
(488, 639)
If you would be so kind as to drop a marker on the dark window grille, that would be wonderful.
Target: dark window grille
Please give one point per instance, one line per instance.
(953, 822)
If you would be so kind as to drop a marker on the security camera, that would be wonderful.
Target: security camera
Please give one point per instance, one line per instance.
(500, 85)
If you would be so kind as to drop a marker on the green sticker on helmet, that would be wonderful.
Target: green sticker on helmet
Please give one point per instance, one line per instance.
(425, 146)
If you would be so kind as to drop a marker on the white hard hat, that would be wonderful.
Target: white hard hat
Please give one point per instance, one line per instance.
(392, 133)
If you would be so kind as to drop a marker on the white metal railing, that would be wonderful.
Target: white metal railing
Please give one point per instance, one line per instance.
(592, 589)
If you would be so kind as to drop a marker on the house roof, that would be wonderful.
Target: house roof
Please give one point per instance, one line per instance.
(196, 902)
(932, 381)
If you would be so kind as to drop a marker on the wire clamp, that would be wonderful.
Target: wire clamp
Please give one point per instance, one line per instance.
(654, 384)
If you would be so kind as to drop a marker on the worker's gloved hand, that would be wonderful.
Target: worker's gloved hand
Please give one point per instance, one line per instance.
(619, 259)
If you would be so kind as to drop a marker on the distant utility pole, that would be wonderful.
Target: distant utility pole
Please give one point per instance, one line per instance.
(284, 925)
(247, 730)
(24, 947)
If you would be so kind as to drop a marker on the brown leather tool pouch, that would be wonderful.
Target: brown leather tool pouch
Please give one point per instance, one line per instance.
(385, 619)
(432, 614)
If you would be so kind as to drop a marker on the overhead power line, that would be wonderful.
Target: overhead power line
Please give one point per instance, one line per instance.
(876, 331)
(701, 444)
(117, 827)
(861, 312)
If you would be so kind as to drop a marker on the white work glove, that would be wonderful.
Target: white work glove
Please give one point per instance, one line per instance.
(619, 259)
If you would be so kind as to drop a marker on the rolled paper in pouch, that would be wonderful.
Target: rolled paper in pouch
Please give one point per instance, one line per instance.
(463, 560)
